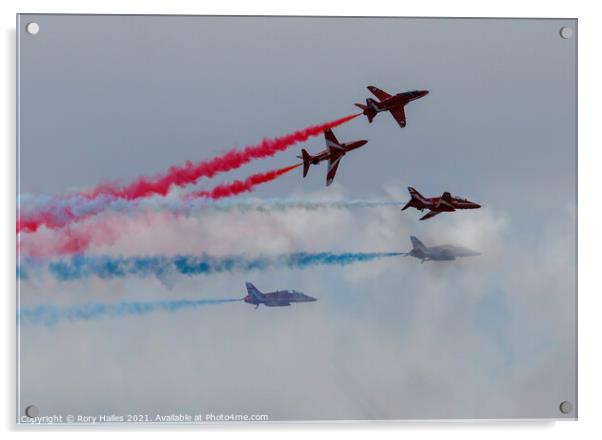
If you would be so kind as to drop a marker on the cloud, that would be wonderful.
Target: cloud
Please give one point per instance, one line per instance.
(386, 339)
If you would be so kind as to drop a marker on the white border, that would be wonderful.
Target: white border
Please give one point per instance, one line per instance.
(590, 146)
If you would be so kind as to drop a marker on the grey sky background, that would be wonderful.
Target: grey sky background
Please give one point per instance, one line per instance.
(113, 98)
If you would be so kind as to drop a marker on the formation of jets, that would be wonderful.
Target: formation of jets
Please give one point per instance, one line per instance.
(284, 298)
(334, 152)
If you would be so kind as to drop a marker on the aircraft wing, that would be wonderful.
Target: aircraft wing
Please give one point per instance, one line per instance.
(333, 164)
(331, 140)
(430, 214)
(400, 115)
(379, 93)
(446, 204)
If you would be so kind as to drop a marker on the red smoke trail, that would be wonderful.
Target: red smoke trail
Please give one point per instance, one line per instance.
(76, 239)
(186, 174)
(190, 172)
(32, 224)
(71, 240)
(240, 186)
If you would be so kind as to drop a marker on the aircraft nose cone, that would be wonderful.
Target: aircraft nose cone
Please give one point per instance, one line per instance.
(311, 298)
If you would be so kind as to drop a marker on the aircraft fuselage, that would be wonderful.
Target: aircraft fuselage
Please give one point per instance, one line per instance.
(430, 254)
(398, 100)
(444, 205)
(446, 252)
(346, 147)
(279, 298)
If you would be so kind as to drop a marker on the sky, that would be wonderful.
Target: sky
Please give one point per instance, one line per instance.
(108, 99)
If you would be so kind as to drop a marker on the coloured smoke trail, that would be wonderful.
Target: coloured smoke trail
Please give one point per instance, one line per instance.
(49, 315)
(240, 186)
(108, 229)
(190, 172)
(180, 176)
(56, 214)
(81, 266)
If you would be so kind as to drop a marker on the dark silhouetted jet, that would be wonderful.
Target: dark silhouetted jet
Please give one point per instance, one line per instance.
(279, 298)
(444, 252)
(437, 205)
(334, 152)
(390, 103)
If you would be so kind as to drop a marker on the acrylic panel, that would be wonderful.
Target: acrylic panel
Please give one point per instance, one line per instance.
(257, 219)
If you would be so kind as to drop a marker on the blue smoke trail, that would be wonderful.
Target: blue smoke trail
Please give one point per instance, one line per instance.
(82, 266)
(21, 273)
(50, 315)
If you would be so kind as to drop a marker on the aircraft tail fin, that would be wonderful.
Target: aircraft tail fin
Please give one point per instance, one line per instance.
(407, 205)
(306, 161)
(417, 244)
(254, 291)
(415, 194)
(370, 113)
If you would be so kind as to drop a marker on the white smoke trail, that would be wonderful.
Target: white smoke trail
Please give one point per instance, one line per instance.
(63, 211)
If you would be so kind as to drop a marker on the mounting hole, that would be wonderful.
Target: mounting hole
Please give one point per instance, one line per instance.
(32, 28)
(566, 407)
(566, 32)
(32, 411)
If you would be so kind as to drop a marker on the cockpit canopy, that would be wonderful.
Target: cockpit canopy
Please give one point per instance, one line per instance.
(448, 195)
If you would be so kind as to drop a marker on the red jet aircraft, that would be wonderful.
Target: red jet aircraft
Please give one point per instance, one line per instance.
(392, 103)
(333, 153)
(437, 205)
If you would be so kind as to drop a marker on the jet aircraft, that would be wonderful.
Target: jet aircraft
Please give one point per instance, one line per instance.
(444, 252)
(279, 298)
(391, 103)
(437, 205)
(335, 150)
